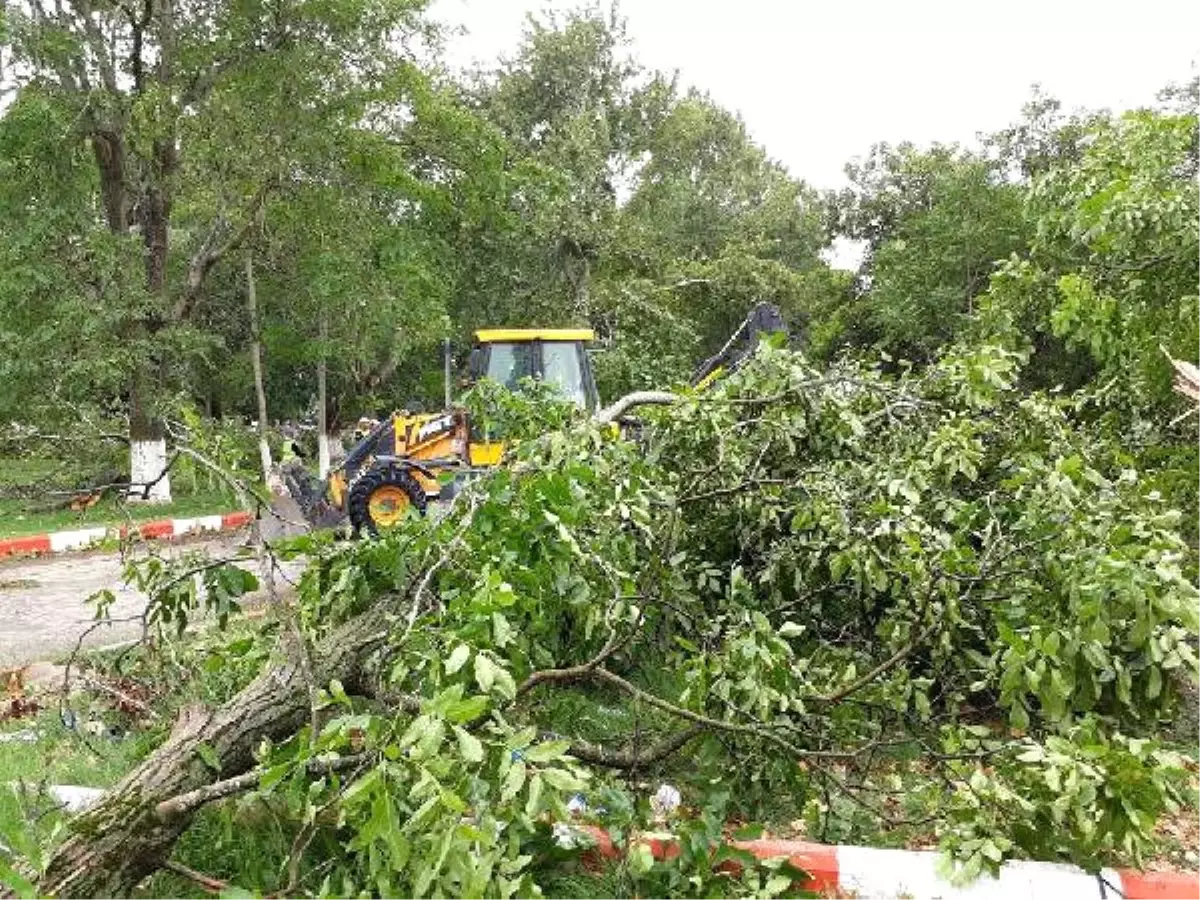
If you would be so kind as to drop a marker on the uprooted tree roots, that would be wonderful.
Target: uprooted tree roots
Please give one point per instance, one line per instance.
(796, 575)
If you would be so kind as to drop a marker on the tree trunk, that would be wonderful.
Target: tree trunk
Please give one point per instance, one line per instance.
(583, 306)
(578, 272)
(260, 394)
(123, 839)
(322, 398)
(155, 216)
(147, 448)
(108, 148)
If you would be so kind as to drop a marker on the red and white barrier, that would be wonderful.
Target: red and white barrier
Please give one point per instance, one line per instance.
(847, 871)
(82, 538)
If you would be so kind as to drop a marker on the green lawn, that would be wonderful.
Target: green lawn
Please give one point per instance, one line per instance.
(218, 842)
(63, 756)
(16, 520)
(22, 516)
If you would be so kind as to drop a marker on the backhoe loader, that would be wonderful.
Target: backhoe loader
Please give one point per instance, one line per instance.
(408, 460)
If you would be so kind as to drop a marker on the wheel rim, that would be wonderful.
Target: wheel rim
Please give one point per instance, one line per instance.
(387, 505)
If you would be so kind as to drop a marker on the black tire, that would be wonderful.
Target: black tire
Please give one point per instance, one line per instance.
(377, 477)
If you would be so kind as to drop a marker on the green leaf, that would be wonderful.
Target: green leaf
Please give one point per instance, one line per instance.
(535, 796)
(338, 693)
(469, 746)
(513, 781)
(421, 728)
(1051, 644)
(791, 629)
(1019, 717)
(457, 659)
(485, 672)
(502, 632)
(208, 756)
(561, 780)
(400, 848)
(991, 851)
(519, 740)
(641, 858)
(547, 751)
(777, 884)
(1154, 684)
(459, 712)
(505, 684)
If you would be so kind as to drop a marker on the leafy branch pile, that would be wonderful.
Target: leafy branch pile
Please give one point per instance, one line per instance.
(801, 583)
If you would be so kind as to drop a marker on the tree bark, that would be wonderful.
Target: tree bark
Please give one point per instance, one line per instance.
(260, 394)
(108, 148)
(322, 398)
(578, 271)
(124, 838)
(147, 446)
(137, 190)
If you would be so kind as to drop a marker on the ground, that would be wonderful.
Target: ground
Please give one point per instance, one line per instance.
(42, 600)
(110, 719)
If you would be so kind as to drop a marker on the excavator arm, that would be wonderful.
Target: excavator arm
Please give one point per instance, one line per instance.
(763, 319)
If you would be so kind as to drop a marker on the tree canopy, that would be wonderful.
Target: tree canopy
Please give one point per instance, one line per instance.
(929, 562)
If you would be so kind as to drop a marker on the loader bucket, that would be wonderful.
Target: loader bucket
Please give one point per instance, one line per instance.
(304, 498)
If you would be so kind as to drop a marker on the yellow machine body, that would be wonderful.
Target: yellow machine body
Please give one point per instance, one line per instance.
(412, 458)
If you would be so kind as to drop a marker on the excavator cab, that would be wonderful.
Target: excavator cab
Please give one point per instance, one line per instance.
(508, 356)
(557, 356)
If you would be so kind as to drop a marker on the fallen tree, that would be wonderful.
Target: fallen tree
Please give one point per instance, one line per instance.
(129, 835)
(799, 576)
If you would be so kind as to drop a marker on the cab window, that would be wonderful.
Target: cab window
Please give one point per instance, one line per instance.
(509, 363)
(561, 368)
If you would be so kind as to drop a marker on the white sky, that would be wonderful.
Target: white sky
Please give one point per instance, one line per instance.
(818, 83)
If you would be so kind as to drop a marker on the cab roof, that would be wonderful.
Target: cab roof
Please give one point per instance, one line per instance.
(518, 335)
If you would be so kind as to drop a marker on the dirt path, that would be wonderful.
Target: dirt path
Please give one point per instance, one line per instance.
(42, 609)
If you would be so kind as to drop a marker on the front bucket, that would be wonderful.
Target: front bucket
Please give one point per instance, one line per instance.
(304, 498)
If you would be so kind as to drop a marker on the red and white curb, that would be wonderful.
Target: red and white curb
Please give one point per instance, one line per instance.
(82, 538)
(846, 871)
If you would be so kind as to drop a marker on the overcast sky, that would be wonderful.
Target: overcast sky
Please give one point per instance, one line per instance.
(818, 83)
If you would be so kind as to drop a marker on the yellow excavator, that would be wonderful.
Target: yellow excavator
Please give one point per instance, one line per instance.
(407, 460)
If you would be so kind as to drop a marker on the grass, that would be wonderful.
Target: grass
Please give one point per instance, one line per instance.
(19, 517)
(63, 756)
(208, 667)
(16, 520)
(28, 817)
(216, 844)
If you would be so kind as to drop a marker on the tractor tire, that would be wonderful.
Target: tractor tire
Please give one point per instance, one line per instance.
(381, 497)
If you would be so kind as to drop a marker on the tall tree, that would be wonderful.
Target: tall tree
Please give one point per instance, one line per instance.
(561, 103)
(714, 216)
(626, 194)
(1110, 277)
(933, 224)
(159, 93)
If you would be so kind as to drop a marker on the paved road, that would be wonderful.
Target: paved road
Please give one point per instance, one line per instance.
(42, 609)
